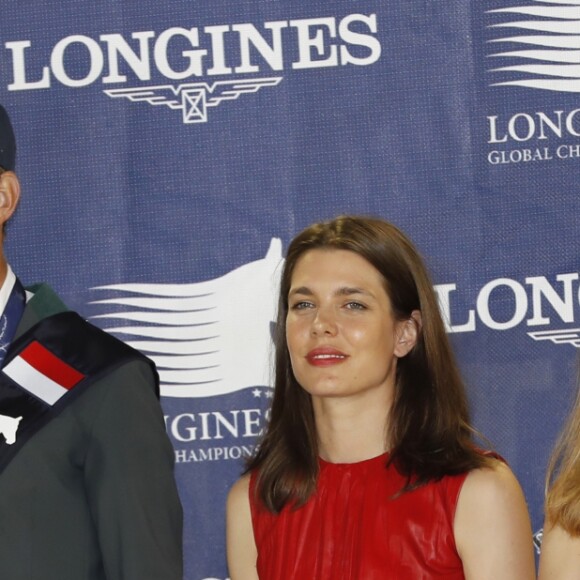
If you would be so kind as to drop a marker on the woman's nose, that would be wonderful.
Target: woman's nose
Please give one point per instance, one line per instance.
(324, 322)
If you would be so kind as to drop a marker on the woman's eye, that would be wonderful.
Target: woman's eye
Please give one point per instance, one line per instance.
(301, 305)
(355, 306)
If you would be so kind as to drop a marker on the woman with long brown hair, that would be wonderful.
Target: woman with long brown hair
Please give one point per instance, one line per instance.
(368, 467)
(560, 557)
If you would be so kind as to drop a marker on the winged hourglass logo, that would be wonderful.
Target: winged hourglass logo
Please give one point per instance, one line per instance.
(194, 99)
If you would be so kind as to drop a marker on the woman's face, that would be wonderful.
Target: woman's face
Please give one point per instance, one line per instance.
(342, 337)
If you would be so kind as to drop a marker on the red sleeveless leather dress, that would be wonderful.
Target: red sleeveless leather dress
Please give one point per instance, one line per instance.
(353, 529)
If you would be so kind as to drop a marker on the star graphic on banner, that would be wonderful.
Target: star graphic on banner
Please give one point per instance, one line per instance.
(269, 394)
(257, 393)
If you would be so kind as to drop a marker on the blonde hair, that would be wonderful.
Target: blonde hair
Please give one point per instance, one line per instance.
(563, 478)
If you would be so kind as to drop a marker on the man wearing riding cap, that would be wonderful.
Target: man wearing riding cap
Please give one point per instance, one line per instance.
(86, 469)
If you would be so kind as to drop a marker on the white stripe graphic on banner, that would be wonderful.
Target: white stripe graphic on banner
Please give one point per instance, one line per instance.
(558, 28)
(203, 337)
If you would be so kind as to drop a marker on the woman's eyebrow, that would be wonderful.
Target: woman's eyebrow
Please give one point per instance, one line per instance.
(300, 290)
(348, 290)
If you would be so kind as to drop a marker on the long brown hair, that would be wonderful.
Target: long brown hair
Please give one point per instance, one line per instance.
(563, 478)
(429, 428)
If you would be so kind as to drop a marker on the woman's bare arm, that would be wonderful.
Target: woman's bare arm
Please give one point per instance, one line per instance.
(241, 547)
(492, 527)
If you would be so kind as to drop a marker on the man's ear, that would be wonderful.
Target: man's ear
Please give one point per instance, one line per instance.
(9, 195)
(407, 334)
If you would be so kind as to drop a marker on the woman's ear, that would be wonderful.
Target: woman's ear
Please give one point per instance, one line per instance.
(9, 195)
(408, 333)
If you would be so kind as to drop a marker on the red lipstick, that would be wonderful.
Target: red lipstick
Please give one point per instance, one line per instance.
(325, 356)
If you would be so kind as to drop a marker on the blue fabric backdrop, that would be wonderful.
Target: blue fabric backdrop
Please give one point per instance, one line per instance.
(170, 150)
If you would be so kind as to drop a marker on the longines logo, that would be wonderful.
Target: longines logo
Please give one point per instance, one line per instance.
(536, 46)
(532, 137)
(207, 436)
(194, 99)
(537, 303)
(182, 54)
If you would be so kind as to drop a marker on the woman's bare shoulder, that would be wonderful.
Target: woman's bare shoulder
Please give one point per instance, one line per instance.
(495, 478)
(240, 489)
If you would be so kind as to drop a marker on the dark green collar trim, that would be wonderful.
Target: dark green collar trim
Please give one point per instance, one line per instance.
(45, 302)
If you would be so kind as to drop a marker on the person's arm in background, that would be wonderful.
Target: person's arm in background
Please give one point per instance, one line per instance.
(560, 557)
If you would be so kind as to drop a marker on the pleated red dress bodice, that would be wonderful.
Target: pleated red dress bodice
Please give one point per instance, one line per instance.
(352, 528)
